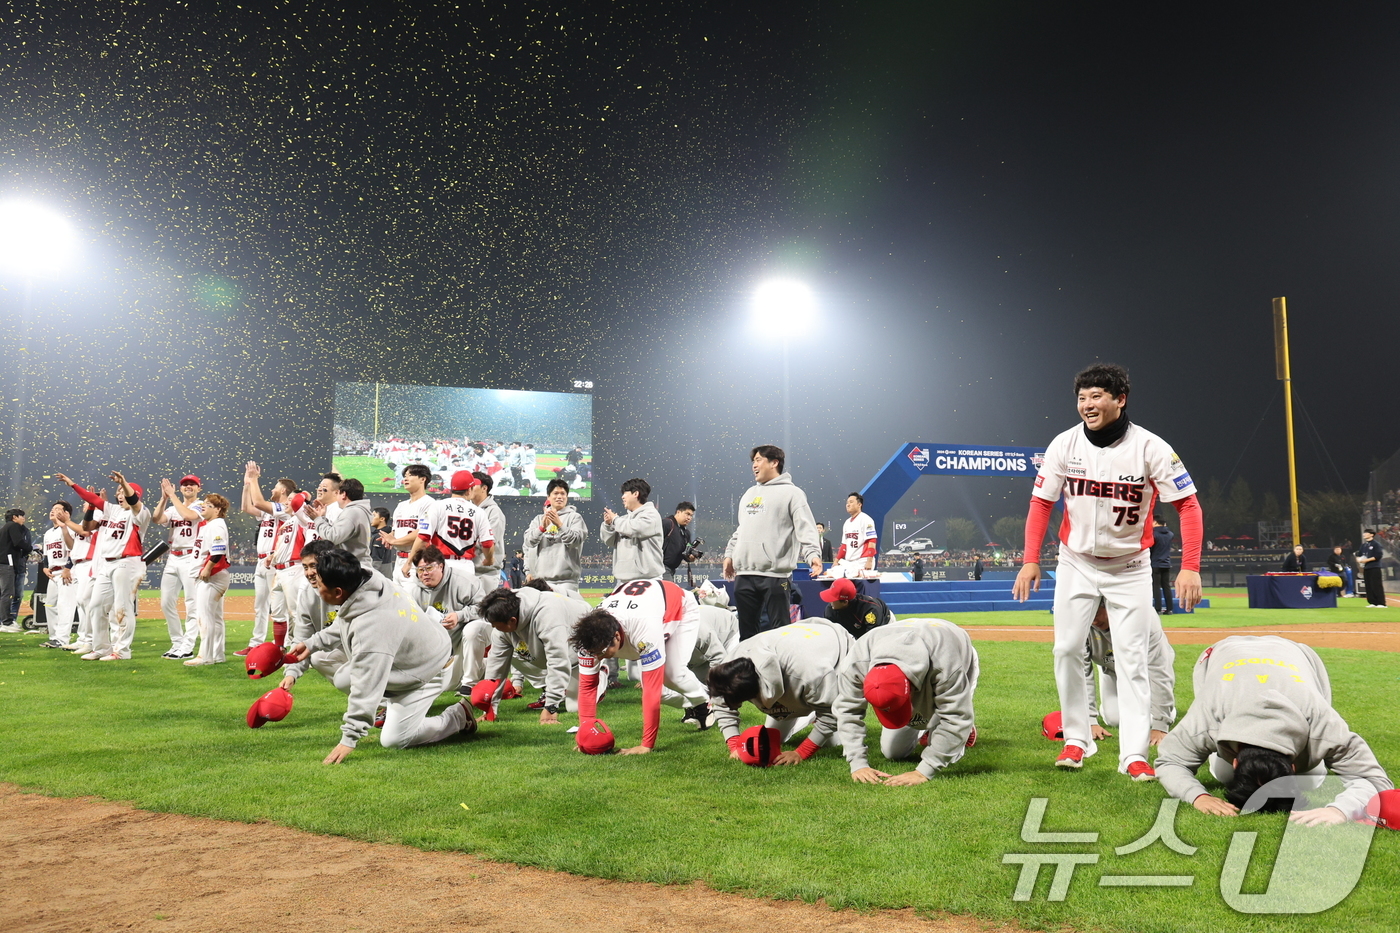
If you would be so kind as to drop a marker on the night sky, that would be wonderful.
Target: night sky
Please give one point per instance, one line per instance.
(985, 196)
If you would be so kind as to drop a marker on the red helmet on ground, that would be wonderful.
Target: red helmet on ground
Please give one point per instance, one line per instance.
(596, 738)
(759, 745)
(1052, 728)
(272, 706)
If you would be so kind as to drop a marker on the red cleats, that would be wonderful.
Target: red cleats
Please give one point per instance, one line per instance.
(972, 738)
(1140, 771)
(1071, 757)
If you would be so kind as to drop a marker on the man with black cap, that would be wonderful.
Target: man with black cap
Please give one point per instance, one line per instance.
(920, 675)
(853, 610)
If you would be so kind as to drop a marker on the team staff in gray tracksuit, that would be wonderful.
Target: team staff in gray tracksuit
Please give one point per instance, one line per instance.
(448, 592)
(1263, 710)
(775, 529)
(936, 669)
(395, 653)
(531, 632)
(634, 536)
(1161, 679)
(349, 528)
(554, 542)
(787, 672)
(310, 616)
(480, 496)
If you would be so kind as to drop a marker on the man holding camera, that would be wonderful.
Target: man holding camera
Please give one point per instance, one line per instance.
(676, 546)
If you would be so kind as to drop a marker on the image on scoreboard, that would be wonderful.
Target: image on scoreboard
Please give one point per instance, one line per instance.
(522, 440)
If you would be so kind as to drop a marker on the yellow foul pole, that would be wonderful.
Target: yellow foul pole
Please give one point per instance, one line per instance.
(1282, 372)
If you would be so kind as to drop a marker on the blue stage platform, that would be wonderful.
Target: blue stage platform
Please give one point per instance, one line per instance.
(940, 596)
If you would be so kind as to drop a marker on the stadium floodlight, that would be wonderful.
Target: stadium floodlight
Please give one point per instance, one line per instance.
(34, 240)
(784, 306)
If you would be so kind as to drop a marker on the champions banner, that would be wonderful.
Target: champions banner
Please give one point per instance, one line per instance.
(970, 460)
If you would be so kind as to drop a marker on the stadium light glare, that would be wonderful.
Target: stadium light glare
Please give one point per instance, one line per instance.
(784, 306)
(34, 240)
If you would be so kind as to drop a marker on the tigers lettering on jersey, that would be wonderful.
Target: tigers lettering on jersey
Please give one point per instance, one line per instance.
(1127, 492)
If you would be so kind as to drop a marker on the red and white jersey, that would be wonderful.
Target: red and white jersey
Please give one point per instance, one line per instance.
(55, 550)
(182, 531)
(408, 516)
(121, 531)
(293, 533)
(1110, 492)
(212, 541)
(267, 529)
(858, 538)
(85, 549)
(455, 527)
(649, 612)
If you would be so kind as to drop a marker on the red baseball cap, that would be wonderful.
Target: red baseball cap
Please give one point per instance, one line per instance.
(297, 501)
(888, 691)
(1052, 727)
(136, 488)
(190, 479)
(1384, 810)
(463, 480)
(842, 589)
(482, 692)
(272, 706)
(264, 659)
(595, 738)
(759, 745)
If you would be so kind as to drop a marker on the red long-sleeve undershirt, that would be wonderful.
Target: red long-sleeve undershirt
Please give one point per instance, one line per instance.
(652, 683)
(91, 498)
(1192, 530)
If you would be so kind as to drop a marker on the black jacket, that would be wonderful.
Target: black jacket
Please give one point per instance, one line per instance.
(15, 544)
(675, 538)
(859, 615)
(1295, 563)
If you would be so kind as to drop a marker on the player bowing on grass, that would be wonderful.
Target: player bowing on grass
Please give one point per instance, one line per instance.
(919, 675)
(394, 652)
(1111, 473)
(790, 673)
(655, 623)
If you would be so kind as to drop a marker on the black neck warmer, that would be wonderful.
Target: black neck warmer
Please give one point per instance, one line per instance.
(1105, 436)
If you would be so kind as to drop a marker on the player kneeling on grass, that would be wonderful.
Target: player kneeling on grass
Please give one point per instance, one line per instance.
(448, 592)
(717, 632)
(1263, 710)
(654, 623)
(1161, 676)
(792, 674)
(920, 675)
(394, 651)
(531, 632)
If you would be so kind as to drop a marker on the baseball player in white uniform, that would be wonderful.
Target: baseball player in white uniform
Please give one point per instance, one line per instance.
(791, 674)
(181, 570)
(920, 675)
(859, 541)
(61, 599)
(81, 552)
(655, 623)
(118, 568)
(408, 515)
(211, 545)
(1111, 473)
(269, 515)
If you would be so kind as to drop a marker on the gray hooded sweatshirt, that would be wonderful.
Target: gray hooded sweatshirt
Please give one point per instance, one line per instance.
(556, 556)
(312, 614)
(541, 640)
(1268, 691)
(635, 539)
(459, 591)
(499, 552)
(717, 634)
(798, 667)
(941, 664)
(776, 530)
(1161, 673)
(394, 648)
(349, 529)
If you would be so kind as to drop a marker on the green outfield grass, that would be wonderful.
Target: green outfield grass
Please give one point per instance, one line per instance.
(1228, 609)
(168, 738)
(378, 478)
